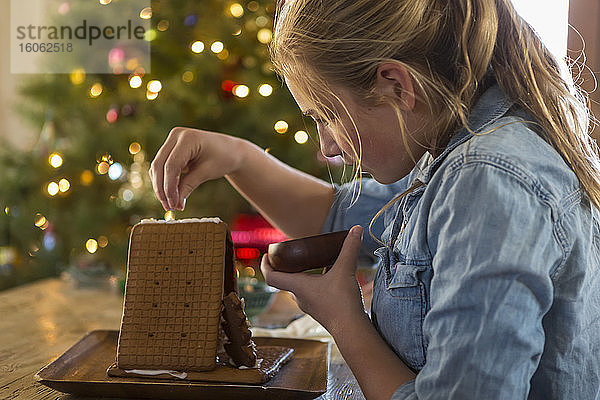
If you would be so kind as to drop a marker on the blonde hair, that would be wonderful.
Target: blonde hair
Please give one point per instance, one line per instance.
(448, 47)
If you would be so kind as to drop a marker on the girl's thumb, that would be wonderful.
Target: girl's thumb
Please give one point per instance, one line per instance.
(347, 259)
(188, 183)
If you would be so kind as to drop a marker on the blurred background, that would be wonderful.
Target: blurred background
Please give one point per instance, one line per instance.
(76, 147)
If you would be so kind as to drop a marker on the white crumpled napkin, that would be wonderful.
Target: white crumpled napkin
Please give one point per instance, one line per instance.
(303, 328)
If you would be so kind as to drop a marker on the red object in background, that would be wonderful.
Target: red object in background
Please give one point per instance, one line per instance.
(252, 235)
(227, 85)
(247, 253)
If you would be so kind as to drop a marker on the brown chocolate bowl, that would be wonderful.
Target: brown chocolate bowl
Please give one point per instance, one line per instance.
(302, 254)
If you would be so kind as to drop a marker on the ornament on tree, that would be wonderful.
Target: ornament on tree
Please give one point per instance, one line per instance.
(49, 239)
(128, 110)
(112, 115)
(190, 20)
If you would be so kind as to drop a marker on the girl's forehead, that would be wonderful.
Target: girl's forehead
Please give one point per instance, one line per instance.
(302, 103)
(321, 101)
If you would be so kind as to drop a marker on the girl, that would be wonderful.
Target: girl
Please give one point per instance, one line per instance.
(484, 197)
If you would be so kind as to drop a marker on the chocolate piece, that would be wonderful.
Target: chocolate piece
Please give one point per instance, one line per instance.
(240, 347)
(306, 253)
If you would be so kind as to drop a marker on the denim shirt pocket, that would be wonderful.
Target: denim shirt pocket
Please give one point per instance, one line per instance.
(402, 281)
(399, 307)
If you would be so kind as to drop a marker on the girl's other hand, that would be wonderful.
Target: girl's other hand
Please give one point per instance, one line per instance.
(188, 158)
(332, 299)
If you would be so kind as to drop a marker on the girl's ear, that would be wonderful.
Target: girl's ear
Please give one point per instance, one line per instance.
(394, 80)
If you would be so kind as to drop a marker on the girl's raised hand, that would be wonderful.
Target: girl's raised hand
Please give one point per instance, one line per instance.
(188, 158)
(333, 299)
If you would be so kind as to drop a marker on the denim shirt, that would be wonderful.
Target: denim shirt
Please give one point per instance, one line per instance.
(489, 284)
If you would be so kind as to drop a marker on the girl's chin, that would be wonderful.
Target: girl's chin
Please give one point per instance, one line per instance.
(384, 180)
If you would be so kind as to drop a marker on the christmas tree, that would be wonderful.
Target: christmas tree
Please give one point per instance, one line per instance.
(77, 193)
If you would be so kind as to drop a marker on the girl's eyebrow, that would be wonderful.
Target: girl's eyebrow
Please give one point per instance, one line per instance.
(309, 112)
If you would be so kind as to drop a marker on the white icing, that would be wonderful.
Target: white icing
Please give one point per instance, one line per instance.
(180, 375)
(256, 365)
(214, 220)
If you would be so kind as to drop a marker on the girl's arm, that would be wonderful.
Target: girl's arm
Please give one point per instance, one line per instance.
(335, 301)
(377, 369)
(293, 201)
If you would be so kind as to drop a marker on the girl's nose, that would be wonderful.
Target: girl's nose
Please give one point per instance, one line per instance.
(328, 146)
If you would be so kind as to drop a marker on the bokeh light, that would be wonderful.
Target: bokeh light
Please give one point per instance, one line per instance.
(52, 188)
(301, 137)
(262, 21)
(223, 55)
(135, 81)
(132, 64)
(87, 177)
(217, 47)
(127, 195)
(91, 245)
(102, 168)
(64, 8)
(265, 90)
(281, 127)
(146, 13)
(154, 86)
(77, 76)
(96, 90)
(150, 35)
(115, 171)
(241, 91)
(64, 185)
(197, 46)
(236, 10)
(264, 35)
(187, 76)
(55, 160)
(134, 148)
(112, 115)
(40, 220)
(102, 241)
(163, 25)
(151, 95)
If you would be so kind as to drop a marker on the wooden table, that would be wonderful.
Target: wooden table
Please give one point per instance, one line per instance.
(39, 321)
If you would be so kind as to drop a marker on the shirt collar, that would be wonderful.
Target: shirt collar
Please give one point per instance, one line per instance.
(492, 105)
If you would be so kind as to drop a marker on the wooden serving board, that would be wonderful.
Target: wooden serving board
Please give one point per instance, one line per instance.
(81, 370)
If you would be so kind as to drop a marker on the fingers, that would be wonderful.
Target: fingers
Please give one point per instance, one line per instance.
(157, 169)
(176, 161)
(346, 263)
(347, 259)
(170, 161)
(283, 280)
(273, 278)
(187, 184)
